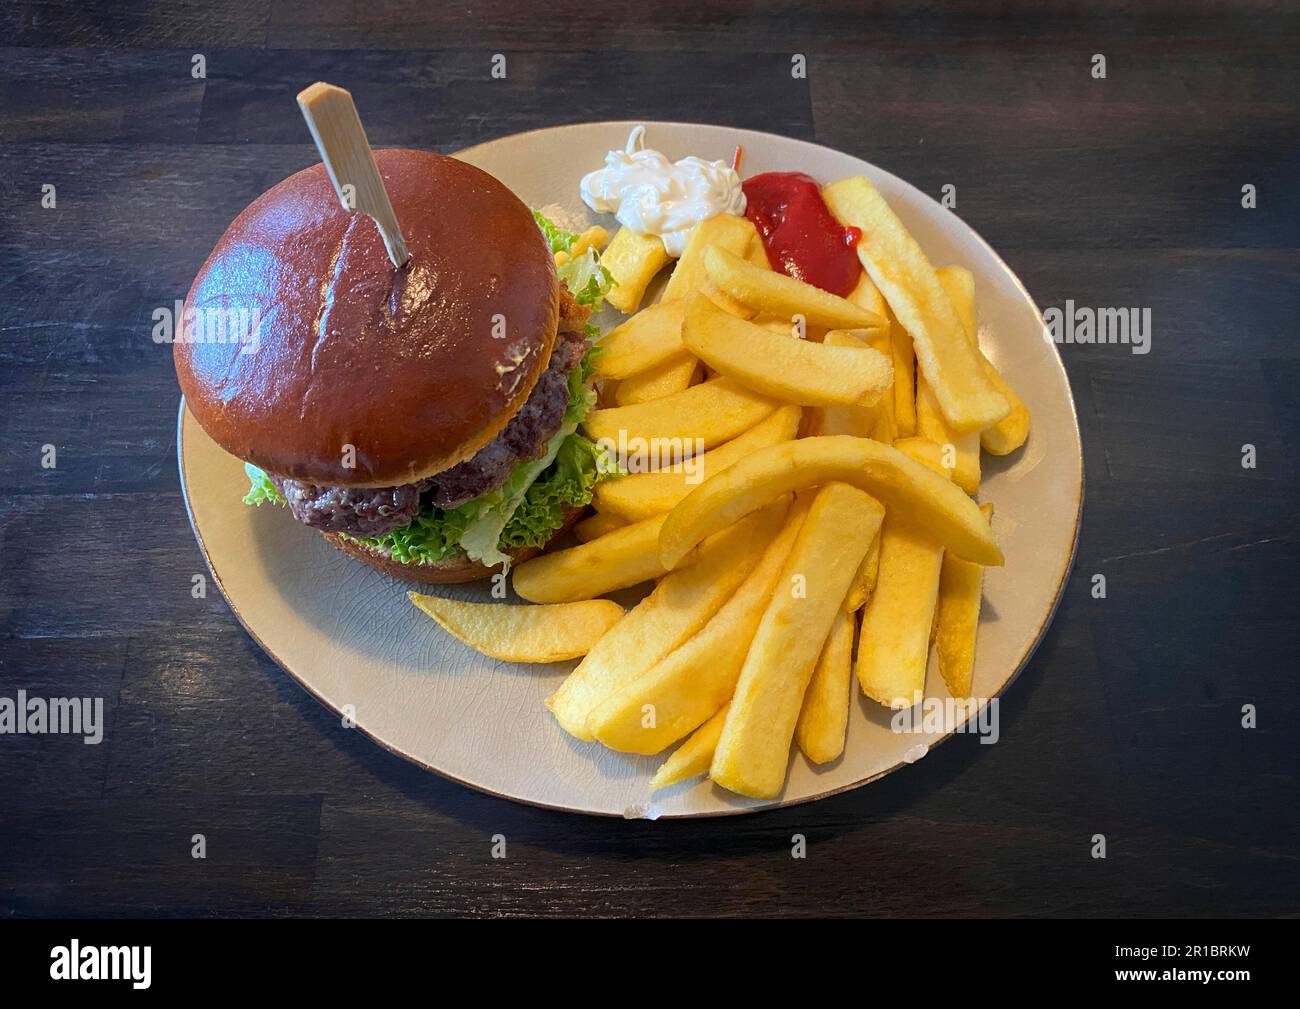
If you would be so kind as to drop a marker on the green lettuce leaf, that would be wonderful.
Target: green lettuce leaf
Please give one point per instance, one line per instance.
(586, 279)
(569, 483)
(583, 275)
(261, 489)
(560, 239)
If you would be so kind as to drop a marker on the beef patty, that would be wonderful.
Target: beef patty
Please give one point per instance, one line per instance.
(373, 511)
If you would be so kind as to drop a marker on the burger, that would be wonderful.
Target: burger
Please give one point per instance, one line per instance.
(425, 418)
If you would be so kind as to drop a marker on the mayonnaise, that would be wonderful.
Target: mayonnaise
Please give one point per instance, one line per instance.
(654, 196)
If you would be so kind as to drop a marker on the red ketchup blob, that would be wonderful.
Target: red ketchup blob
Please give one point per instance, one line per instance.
(802, 237)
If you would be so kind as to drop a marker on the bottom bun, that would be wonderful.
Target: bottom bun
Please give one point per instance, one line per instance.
(449, 571)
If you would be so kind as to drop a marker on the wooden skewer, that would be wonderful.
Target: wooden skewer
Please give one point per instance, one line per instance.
(335, 126)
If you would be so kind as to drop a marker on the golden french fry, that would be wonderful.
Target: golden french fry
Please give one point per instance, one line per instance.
(959, 284)
(1010, 432)
(876, 421)
(727, 231)
(774, 325)
(788, 369)
(777, 294)
(593, 238)
(649, 338)
(642, 495)
(864, 582)
(905, 277)
(924, 451)
(894, 640)
(881, 470)
(597, 525)
(621, 558)
(523, 633)
(694, 756)
(798, 330)
(957, 619)
(824, 717)
(690, 683)
(963, 449)
(904, 379)
(714, 412)
(679, 606)
(866, 294)
(754, 749)
(633, 260)
(930, 421)
(896, 345)
(663, 380)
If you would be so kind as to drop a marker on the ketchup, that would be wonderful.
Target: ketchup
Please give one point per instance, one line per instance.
(802, 237)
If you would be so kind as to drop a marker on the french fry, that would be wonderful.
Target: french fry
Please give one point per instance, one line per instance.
(774, 325)
(593, 238)
(866, 294)
(824, 717)
(642, 495)
(930, 421)
(894, 639)
(964, 449)
(957, 619)
(788, 369)
(649, 338)
(523, 633)
(617, 560)
(864, 582)
(694, 756)
(779, 295)
(882, 470)
(694, 680)
(876, 421)
(680, 605)
(789, 327)
(633, 260)
(896, 344)
(597, 525)
(1010, 432)
(904, 378)
(726, 231)
(959, 284)
(675, 375)
(714, 411)
(753, 751)
(899, 267)
(924, 451)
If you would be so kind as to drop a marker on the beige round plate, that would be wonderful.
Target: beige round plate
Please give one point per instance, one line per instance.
(349, 636)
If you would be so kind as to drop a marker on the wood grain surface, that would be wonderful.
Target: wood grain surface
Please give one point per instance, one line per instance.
(1124, 191)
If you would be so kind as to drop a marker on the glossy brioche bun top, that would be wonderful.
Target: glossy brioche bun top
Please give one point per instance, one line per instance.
(416, 369)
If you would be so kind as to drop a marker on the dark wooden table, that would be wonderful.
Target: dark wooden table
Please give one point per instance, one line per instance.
(1124, 191)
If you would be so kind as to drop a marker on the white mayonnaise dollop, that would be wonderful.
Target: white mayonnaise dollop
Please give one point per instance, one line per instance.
(654, 196)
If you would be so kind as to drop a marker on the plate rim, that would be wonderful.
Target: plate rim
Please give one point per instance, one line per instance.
(1039, 634)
